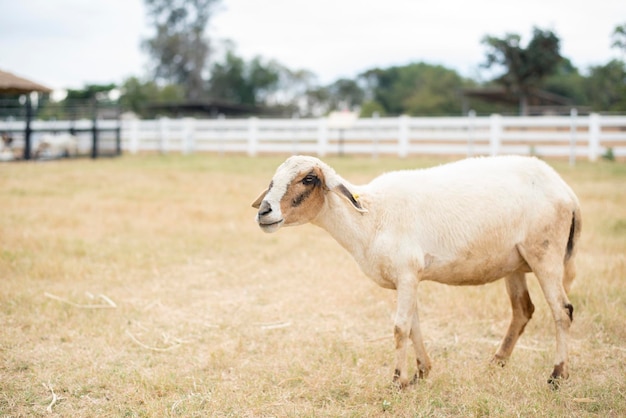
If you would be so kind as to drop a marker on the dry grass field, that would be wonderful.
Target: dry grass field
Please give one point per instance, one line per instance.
(141, 286)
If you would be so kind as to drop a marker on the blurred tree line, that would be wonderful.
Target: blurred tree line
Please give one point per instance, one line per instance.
(188, 68)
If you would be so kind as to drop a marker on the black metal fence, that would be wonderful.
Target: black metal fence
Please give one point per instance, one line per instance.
(93, 128)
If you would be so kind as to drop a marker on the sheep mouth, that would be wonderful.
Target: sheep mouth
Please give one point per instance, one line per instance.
(271, 226)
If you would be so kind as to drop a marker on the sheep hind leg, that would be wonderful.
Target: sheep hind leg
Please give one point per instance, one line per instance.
(563, 314)
(522, 310)
(550, 271)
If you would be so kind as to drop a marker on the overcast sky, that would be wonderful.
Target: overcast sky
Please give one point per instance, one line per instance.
(69, 43)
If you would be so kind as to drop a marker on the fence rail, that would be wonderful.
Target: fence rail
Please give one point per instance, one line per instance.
(572, 136)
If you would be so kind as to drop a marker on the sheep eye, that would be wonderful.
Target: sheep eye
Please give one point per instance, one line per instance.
(309, 179)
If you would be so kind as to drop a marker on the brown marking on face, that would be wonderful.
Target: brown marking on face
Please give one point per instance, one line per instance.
(304, 197)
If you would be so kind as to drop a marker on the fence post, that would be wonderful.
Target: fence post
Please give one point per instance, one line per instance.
(189, 126)
(471, 121)
(594, 136)
(495, 133)
(375, 139)
(221, 133)
(322, 136)
(253, 136)
(134, 136)
(27, 129)
(164, 135)
(572, 139)
(94, 130)
(403, 136)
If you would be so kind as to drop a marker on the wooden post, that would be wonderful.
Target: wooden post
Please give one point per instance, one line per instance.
(403, 136)
(594, 136)
(94, 130)
(253, 136)
(572, 139)
(495, 132)
(118, 132)
(28, 130)
(322, 136)
(189, 126)
(133, 141)
(164, 135)
(375, 141)
(471, 121)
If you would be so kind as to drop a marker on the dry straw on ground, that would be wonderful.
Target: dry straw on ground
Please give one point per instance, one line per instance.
(140, 286)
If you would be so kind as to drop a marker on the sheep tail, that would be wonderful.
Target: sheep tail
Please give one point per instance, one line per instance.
(574, 231)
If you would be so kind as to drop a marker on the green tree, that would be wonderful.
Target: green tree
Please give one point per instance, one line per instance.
(228, 80)
(137, 94)
(370, 108)
(345, 94)
(294, 85)
(524, 68)
(263, 78)
(90, 92)
(567, 82)
(242, 82)
(317, 101)
(417, 89)
(606, 87)
(619, 37)
(179, 48)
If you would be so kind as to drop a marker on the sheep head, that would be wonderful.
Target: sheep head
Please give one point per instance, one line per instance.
(298, 192)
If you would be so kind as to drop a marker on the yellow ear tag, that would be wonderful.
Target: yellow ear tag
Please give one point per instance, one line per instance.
(355, 196)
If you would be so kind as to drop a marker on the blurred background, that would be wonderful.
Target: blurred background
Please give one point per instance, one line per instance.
(216, 59)
(310, 58)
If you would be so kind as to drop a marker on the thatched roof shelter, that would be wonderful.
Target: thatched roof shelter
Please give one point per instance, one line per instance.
(12, 84)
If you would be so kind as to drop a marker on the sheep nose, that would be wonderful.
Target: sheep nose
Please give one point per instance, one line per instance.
(265, 208)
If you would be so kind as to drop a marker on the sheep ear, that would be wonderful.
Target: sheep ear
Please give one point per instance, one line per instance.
(259, 199)
(343, 191)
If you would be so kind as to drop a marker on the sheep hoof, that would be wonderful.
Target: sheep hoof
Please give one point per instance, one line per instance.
(398, 382)
(498, 361)
(554, 382)
(398, 385)
(558, 375)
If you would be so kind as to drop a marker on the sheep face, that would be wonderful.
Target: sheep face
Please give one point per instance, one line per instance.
(295, 196)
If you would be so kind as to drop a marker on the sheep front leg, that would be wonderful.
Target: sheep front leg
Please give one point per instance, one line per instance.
(406, 317)
(421, 356)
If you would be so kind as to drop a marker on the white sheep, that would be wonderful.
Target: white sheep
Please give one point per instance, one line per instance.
(466, 223)
(56, 146)
(6, 149)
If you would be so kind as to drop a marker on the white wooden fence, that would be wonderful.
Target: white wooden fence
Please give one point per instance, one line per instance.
(571, 137)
